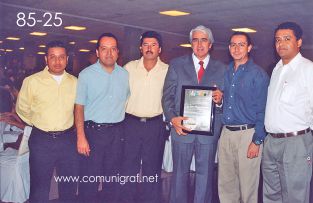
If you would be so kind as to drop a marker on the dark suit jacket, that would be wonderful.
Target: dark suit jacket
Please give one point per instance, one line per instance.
(182, 72)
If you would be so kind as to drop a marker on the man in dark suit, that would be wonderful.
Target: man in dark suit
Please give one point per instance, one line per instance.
(198, 69)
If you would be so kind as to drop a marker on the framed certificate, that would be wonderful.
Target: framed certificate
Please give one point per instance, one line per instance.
(197, 104)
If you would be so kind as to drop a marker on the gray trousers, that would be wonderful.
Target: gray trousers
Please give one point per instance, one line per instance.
(204, 160)
(287, 169)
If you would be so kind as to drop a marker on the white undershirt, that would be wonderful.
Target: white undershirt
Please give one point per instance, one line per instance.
(58, 78)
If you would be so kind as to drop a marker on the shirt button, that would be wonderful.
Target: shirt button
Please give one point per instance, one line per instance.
(231, 96)
(229, 107)
(233, 85)
(228, 118)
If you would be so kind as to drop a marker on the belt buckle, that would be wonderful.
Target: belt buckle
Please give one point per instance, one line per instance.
(97, 126)
(143, 119)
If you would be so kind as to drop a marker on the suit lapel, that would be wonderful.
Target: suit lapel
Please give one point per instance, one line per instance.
(190, 70)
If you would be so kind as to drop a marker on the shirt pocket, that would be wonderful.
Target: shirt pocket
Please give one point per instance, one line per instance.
(288, 94)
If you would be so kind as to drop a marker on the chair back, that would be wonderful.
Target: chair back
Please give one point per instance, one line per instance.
(23, 149)
(2, 127)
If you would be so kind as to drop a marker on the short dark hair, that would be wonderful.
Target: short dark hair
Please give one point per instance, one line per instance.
(151, 34)
(241, 33)
(297, 30)
(54, 44)
(106, 34)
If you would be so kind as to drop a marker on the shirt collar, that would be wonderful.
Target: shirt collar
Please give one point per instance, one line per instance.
(196, 61)
(244, 66)
(47, 74)
(156, 67)
(101, 68)
(293, 63)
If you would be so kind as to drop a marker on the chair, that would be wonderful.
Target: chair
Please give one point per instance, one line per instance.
(14, 171)
(8, 133)
(2, 127)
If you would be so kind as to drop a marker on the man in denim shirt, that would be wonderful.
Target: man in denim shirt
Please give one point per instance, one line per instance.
(239, 149)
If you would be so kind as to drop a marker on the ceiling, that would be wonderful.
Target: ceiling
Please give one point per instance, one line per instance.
(128, 18)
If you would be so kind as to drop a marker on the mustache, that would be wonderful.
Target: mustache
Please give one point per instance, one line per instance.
(147, 52)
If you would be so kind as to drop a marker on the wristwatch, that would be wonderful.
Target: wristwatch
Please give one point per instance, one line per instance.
(257, 142)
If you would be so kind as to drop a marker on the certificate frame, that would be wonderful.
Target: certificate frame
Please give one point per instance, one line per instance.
(197, 104)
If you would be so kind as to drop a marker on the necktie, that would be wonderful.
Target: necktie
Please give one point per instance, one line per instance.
(200, 71)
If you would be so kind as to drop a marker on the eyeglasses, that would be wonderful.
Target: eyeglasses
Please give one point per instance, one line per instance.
(240, 45)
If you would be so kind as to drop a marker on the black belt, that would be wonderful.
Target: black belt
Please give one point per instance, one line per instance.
(98, 126)
(54, 134)
(290, 134)
(239, 127)
(144, 119)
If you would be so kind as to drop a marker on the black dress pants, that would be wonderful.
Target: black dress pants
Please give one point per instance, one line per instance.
(46, 153)
(101, 165)
(144, 143)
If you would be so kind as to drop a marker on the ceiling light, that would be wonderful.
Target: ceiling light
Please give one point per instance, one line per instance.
(41, 53)
(21, 48)
(94, 41)
(84, 50)
(244, 29)
(42, 46)
(76, 28)
(174, 13)
(185, 45)
(38, 33)
(1, 42)
(72, 42)
(8, 50)
(13, 38)
(2, 50)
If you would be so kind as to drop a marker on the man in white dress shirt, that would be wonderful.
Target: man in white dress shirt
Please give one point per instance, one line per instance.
(287, 155)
